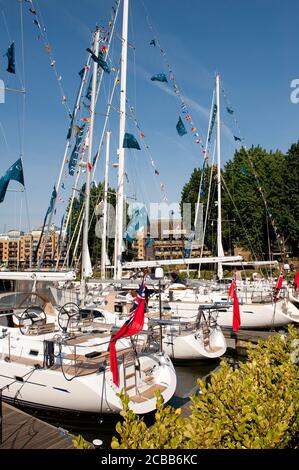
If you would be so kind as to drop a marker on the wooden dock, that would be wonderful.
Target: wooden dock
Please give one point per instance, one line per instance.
(245, 339)
(23, 431)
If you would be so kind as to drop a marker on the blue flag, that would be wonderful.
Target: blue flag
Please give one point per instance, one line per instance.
(15, 172)
(159, 77)
(100, 60)
(130, 142)
(212, 122)
(52, 202)
(10, 54)
(75, 153)
(180, 127)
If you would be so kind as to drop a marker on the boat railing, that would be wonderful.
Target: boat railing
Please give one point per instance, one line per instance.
(267, 295)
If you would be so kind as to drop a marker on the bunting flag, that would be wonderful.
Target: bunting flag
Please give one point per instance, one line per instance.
(38, 22)
(229, 110)
(131, 326)
(236, 308)
(214, 114)
(147, 149)
(273, 224)
(153, 42)
(10, 54)
(178, 93)
(100, 60)
(130, 142)
(181, 129)
(74, 156)
(15, 172)
(52, 202)
(159, 77)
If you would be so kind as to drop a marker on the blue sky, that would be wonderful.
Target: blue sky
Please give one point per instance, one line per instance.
(253, 44)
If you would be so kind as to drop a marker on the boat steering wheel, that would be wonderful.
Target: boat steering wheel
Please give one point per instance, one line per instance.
(69, 316)
(31, 317)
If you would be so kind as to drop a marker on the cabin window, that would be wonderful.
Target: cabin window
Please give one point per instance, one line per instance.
(33, 352)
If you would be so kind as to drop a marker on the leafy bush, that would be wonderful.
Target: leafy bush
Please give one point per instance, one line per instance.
(255, 406)
(80, 443)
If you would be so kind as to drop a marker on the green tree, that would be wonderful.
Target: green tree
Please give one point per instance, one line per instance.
(255, 406)
(260, 194)
(94, 243)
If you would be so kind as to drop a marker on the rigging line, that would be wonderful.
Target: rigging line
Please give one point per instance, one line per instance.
(4, 135)
(268, 214)
(73, 236)
(208, 205)
(146, 149)
(209, 134)
(43, 35)
(176, 88)
(24, 80)
(238, 214)
(134, 60)
(10, 40)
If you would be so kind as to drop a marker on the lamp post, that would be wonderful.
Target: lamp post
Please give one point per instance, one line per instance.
(159, 274)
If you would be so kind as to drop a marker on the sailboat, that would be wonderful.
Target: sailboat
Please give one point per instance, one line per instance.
(259, 308)
(45, 365)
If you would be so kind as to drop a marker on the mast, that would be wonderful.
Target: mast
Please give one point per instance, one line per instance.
(220, 252)
(121, 151)
(104, 234)
(206, 154)
(59, 180)
(85, 251)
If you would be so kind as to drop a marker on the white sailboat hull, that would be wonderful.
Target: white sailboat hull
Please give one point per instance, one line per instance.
(191, 346)
(253, 316)
(25, 380)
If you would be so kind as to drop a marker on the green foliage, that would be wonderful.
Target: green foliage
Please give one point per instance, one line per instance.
(250, 175)
(255, 406)
(164, 434)
(80, 443)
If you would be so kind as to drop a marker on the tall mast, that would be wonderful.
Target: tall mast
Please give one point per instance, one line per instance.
(219, 218)
(85, 251)
(121, 150)
(104, 234)
(58, 183)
